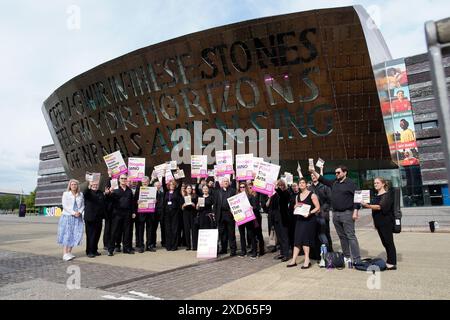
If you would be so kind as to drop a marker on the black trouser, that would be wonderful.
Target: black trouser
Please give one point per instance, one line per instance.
(195, 228)
(188, 222)
(259, 234)
(181, 232)
(144, 222)
(156, 219)
(387, 239)
(227, 230)
(122, 223)
(93, 232)
(171, 220)
(324, 232)
(107, 233)
(250, 228)
(282, 236)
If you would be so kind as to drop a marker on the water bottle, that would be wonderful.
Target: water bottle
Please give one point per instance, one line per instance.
(350, 263)
(323, 251)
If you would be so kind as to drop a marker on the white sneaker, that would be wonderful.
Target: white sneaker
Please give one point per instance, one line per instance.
(66, 257)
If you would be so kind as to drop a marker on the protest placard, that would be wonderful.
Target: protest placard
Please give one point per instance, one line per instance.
(114, 183)
(169, 176)
(302, 210)
(266, 178)
(199, 166)
(361, 196)
(320, 163)
(93, 177)
(224, 161)
(115, 163)
(173, 165)
(147, 199)
(136, 169)
(241, 208)
(256, 162)
(244, 167)
(289, 178)
(201, 201)
(160, 171)
(187, 200)
(179, 174)
(207, 243)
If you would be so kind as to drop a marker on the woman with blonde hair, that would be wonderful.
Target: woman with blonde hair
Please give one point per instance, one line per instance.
(70, 226)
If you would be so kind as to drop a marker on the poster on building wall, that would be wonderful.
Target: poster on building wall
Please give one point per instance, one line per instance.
(395, 103)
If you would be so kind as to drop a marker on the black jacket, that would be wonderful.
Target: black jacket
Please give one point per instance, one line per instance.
(175, 198)
(323, 192)
(220, 196)
(122, 202)
(94, 205)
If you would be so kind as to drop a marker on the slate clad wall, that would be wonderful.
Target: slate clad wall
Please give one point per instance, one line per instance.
(432, 161)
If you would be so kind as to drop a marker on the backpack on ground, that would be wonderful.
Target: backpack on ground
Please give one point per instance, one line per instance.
(369, 264)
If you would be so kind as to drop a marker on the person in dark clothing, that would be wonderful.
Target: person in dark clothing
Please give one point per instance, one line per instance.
(345, 212)
(293, 193)
(172, 212)
(94, 212)
(107, 231)
(248, 229)
(382, 207)
(134, 186)
(205, 213)
(123, 208)
(254, 199)
(158, 218)
(305, 226)
(188, 207)
(278, 205)
(323, 192)
(144, 222)
(224, 218)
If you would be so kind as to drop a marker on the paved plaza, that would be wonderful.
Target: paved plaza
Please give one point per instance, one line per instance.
(31, 268)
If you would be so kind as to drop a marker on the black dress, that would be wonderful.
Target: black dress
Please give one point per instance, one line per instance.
(305, 228)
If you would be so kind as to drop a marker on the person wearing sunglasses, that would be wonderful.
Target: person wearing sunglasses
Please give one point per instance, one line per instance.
(345, 211)
(247, 229)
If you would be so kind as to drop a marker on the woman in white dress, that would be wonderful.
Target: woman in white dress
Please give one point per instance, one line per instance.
(71, 225)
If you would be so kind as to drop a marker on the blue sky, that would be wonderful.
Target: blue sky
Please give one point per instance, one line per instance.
(39, 52)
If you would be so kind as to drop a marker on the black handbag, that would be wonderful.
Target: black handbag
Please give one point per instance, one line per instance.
(334, 260)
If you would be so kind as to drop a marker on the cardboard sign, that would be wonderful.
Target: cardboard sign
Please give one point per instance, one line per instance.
(179, 174)
(187, 200)
(266, 178)
(244, 167)
(93, 177)
(115, 163)
(147, 199)
(256, 162)
(136, 169)
(207, 243)
(241, 208)
(362, 196)
(320, 163)
(224, 161)
(114, 183)
(199, 166)
(303, 210)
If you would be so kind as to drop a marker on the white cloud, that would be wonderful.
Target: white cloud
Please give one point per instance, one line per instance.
(39, 53)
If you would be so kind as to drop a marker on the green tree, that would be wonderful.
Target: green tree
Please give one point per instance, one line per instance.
(9, 202)
(29, 200)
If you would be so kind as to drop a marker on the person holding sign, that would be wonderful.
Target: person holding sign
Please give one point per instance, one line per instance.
(249, 226)
(345, 211)
(383, 217)
(254, 199)
(306, 207)
(123, 208)
(172, 212)
(278, 205)
(189, 212)
(224, 218)
(94, 203)
(144, 218)
(205, 210)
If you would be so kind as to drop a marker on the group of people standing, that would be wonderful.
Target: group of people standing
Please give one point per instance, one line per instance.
(183, 209)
